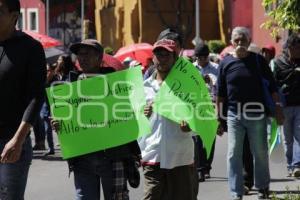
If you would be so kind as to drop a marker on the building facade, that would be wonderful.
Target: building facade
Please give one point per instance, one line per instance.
(32, 16)
(251, 14)
(122, 22)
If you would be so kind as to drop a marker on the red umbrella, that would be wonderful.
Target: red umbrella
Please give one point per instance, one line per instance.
(141, 52)
(107, 61)
(45, 40)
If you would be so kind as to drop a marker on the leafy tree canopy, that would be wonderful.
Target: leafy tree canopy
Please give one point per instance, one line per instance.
(284, 15)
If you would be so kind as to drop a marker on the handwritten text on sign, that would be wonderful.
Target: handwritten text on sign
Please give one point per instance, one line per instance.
(184, 96)
(100, 112)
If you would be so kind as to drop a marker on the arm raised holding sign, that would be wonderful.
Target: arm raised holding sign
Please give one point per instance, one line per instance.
(168, 148)
(148, 110)
(55, 124)
(184, 126)
(113, 162)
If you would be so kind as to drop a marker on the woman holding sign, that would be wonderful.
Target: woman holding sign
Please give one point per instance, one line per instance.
(108, 167)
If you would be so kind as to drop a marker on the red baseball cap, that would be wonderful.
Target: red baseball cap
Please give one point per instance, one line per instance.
(270, 48)
(169, 45)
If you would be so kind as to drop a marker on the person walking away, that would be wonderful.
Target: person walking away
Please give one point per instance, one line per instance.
(22, 84)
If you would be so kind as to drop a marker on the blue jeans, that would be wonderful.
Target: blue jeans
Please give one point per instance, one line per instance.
(92, 170)
(256, 130)
(13, 176)
(292, 135)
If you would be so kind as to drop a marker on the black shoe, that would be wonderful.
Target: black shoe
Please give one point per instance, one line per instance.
(39, 147)
(238, 197)
(296, 172)
(51, 152)
(201, 176)
(246, 190)
(263, 194)
(207, 175)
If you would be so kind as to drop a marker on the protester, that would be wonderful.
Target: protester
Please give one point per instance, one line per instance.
(240, 87)
(168, 151)
(45, 111)
(209, 71)
(64, 66)
(106, 167)
(268, 52)
(171, 35)
(287, 75)
(22, 81)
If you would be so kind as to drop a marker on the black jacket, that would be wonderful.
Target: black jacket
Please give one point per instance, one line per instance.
(288, 79)
(22, 82)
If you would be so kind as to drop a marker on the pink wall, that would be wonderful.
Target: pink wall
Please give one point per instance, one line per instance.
(241, 14)
(262, 36)
(25, 4)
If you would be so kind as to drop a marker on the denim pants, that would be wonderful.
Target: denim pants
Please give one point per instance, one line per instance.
(256, 131)
(49, 134)
(292, 135)
(92, 170)
(13, 176)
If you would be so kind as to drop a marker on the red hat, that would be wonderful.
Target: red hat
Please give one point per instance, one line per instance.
(270, 48)
(169, 45)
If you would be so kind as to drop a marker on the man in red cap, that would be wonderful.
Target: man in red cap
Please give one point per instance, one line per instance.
(168, 151)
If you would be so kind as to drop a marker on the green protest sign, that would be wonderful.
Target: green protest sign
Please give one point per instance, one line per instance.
(273, 137)
(100, 112)
(184, 96)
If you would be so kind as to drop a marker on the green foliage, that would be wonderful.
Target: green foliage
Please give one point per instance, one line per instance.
(284, 14)
(288, 196)
(216, 46)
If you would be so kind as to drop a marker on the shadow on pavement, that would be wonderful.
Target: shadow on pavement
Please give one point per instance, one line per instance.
(217, 179)
(40, 156)
(282, 180)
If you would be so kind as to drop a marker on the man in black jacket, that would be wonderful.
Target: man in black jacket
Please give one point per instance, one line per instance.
(22, 82)
(287, 74)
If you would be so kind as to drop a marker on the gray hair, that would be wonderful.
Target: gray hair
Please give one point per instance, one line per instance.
(240, 30)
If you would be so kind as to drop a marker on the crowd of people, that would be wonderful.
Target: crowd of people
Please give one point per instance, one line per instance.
(173, 158)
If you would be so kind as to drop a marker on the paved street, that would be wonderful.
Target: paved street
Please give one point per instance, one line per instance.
(48, 179)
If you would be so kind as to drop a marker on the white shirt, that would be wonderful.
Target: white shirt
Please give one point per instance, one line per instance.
(166, 144)
(211, 69)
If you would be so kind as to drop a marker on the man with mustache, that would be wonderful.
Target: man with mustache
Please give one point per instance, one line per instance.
(240, 86)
